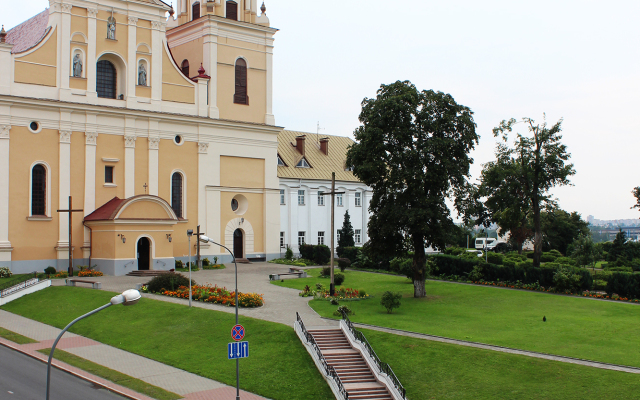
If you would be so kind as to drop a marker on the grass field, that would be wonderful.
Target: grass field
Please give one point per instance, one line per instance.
(192, 339)
(14, 276)
(575, 327)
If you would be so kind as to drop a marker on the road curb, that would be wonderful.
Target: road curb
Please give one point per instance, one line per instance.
(117, 389)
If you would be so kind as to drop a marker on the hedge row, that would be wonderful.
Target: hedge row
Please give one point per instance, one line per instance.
(624, 284)
(320, 254)
(523, 272)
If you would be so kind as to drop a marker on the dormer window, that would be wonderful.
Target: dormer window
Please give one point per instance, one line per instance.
(281, 163)
(303, 163)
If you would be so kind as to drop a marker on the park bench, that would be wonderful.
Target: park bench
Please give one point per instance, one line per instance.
(292, 271)
(94, 284)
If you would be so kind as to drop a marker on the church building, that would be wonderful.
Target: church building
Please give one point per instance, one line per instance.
(152, 125)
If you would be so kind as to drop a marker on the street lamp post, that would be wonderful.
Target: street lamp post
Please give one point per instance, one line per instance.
(207, 239)
(189, 234)
(127, 298)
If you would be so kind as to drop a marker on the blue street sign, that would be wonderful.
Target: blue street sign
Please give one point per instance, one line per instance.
(238, 350)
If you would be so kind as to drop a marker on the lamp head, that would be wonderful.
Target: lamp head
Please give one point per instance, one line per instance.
(127, 298)
(189, 232)
(204, 238)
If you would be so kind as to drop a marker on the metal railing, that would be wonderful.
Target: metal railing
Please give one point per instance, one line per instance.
(21, 283)
(383, 367)
(329, 370)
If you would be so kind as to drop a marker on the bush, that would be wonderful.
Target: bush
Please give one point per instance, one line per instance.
(495, 258)
(476, 274)
(288, 255)
(344, 309)
(306, 251)
(390, 300)
(50, 271)
(508, 262)
(321, 254)
(343, 263)
(179, 264)
(451, 265)
(624, 284)
(338, 278)
(547, 257)
(599, 284)
(362, 293)
(6, 273)
(555, 253)
(170, 281)
(565, 261)
(348, 252)
(205, 262)
(326, 271)
(402, 266)
(565, 280)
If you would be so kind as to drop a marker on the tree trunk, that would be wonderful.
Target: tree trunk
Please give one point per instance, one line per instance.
(418, 267)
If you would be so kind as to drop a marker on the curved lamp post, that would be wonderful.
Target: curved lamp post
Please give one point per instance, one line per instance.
(127, 298)
(207, 239)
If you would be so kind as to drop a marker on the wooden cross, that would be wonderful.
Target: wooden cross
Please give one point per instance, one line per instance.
(145, 187)
(70, 211)
(332, 286)
(198, 234)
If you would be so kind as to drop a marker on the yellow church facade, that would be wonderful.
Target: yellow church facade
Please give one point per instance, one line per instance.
(152, 125)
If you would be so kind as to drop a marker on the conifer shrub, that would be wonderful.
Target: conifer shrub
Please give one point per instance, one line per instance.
(338, 278)
(343, 263)
(169, 281)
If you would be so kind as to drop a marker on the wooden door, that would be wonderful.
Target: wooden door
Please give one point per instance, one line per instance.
(238, 243)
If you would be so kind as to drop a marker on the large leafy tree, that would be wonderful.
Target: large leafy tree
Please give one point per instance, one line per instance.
(412, 149)
(636, 194)
(517, 184)
(560, 229)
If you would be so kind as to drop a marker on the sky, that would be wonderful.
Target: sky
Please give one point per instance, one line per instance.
(575, 60)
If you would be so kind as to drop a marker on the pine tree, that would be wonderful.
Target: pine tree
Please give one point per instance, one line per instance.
(346, 233)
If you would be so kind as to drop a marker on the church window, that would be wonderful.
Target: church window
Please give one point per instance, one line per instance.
(185, 67)
(232, 10)
(108, 174)
(176, 194)
(38, 190)
(240, 97)
(195, 10)
(106, 79)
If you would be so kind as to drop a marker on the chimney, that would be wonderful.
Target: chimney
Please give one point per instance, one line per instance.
(300, 143)
(324, 146)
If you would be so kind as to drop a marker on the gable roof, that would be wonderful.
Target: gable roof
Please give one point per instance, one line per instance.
(29, 33)
(113, 208)
(321, 165)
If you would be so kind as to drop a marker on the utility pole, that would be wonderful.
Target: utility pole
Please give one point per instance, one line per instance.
(332, 286)
(198, 234)
(70, 211)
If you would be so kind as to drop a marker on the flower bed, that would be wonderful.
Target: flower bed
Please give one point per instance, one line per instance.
(216, 295)
(342, 293)
(89, 272)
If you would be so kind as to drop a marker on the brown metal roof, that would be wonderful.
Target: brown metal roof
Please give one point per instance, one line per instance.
(321, 165)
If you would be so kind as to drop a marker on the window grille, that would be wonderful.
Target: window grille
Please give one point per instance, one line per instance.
(106, 80)
(320, 237)
(301, 197)
(176, 194)
(357, 235)
(301, 240)
(39, 190)
(241, 97)
(339, 200)
(357, 200)
(320, 198)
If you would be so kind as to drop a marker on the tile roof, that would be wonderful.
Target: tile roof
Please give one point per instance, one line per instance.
(321, 165)
(29, 33)
(107, 211)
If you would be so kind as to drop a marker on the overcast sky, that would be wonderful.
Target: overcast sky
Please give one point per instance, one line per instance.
(576, 60)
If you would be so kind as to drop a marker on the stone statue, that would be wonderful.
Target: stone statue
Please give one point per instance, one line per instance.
(111, 28)
(142, 75)
(77, 66)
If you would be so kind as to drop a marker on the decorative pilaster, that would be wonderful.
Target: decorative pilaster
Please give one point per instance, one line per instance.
(65, 38)
(154, 146)
(132, 70)
(269, 119)
(210, 57)
(129, 165)
(5, 245)
(156, 63)
(203, 147)
(90, 66)
(64, 184)
(90, 147)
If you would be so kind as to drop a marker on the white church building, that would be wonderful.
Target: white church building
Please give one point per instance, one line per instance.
(305, 164)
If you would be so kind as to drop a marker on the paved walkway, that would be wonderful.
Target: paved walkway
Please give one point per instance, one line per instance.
(191, 386)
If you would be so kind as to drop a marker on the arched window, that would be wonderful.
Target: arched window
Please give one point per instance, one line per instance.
(106, 79)
(38, 190)
(195, 10)
(176, 193)
(232, 10)
(240, 97)
(185, 67)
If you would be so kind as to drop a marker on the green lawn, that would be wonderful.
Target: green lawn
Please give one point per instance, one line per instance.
(15, 337)
(575, 327)
(432, 370)
(112, 376)
(192, 339)
(14, 276)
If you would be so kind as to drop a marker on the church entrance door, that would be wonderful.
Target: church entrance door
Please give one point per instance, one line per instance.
(238, 243)
(144, 251)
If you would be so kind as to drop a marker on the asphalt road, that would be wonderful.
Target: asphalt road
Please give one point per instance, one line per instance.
(23, 378)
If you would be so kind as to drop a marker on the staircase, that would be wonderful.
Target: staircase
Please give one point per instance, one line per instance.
(358, 380)
(242, 261)
(146, 273)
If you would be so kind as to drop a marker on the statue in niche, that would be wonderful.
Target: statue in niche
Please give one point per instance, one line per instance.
(142, 75)
(111, 28)
(77, 66)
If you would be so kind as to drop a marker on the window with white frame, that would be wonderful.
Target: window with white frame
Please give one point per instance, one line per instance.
(300, 197)
(357, 235)
(339, 200)
(282, 196)
(357, 200)
(320, 198)
(301, 236)
(320, 237)
(281, 239)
